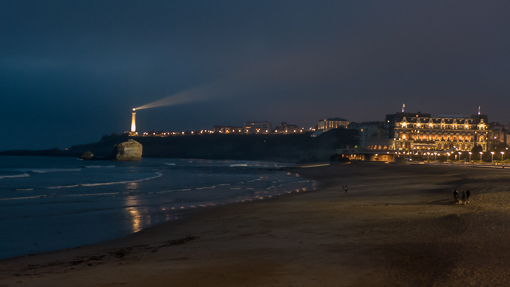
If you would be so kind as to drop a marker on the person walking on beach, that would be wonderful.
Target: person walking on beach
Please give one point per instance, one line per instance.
(345, 188)
(463, 197)
(468, 193)
(456, 196)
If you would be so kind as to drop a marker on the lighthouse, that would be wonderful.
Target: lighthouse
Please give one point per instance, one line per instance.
(133, 121)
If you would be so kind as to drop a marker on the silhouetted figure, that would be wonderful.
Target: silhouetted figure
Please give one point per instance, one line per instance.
(456, 196)
(468, 194)
(345, 188)
(463, 197)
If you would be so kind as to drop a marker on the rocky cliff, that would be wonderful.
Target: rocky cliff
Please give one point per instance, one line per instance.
(130, 150)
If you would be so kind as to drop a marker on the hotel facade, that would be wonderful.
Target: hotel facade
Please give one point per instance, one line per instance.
(420, 132)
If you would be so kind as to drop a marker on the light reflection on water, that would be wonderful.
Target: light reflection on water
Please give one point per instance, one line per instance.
(135, 217)
(132, 185)
(134, 214)
(139, 217)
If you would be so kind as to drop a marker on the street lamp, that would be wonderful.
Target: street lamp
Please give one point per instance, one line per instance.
(428, 156)
(481, 156)
(459, 155)
(447, 156)
(469, 156)
(492, 157)
(435, 154)
(502, 155)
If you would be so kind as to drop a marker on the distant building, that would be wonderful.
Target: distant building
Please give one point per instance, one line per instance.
(354, 126)
(284, 128)
(419, 132)
(332, 123)
(257, 127)
(498, 132)
(372, 136)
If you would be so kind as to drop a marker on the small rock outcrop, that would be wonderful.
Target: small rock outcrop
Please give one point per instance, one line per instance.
(88, 155)
(130, 150)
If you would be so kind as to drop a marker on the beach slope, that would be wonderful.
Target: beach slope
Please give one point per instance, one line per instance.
(396, 226)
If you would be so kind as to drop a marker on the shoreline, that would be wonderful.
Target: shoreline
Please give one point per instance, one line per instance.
(320, 238)
(179, 215)
(86, 228)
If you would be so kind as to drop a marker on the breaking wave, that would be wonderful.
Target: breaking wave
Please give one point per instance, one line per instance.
(46, 170)
(15, 175)
(158, 174)
(99, 166)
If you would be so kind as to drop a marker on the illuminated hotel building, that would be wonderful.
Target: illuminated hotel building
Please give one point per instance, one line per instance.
(420, 132)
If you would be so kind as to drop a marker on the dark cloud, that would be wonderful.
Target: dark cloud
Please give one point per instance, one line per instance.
(70, 71)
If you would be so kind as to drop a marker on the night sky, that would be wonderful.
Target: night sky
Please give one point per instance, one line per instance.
(70, 71)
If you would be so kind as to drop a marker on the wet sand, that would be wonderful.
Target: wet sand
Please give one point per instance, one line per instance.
(396, 226)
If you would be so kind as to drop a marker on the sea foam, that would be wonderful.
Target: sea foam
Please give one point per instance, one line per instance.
(46, 170)
(15, 175)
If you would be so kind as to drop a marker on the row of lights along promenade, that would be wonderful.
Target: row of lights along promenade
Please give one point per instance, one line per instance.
(454, 156)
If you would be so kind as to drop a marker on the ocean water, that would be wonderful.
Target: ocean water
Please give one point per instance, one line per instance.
(51, 203)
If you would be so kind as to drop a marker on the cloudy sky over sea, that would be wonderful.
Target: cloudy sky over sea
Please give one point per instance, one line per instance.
(70, 71)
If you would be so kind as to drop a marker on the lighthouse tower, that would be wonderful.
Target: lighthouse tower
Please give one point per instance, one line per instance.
(133, 122)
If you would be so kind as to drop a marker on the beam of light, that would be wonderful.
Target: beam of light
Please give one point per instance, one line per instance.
(187, 96)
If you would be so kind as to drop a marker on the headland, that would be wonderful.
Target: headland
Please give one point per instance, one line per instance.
(268, 147)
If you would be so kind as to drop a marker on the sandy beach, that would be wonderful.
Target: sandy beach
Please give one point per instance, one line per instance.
(396, 226)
